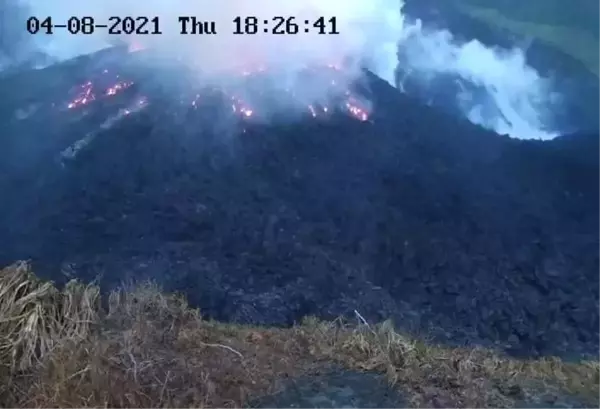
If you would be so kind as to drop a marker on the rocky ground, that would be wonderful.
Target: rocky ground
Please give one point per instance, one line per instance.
(450, 230)
(146, 348)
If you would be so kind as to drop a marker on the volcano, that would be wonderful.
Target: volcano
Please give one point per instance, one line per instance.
(370, 201)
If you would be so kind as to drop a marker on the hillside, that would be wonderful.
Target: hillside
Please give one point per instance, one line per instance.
(572, 29)
(150, 349)
(373, 204)
(561, 42)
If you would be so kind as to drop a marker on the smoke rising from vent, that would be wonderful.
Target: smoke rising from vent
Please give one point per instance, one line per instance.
(492, 87)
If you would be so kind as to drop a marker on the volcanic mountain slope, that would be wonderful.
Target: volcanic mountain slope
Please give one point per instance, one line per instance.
(389, 208)
(560, 44)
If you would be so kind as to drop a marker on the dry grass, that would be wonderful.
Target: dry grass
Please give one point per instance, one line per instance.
(148, 349)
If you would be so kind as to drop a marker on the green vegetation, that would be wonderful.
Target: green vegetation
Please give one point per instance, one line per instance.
(149, 349)
(570, 27)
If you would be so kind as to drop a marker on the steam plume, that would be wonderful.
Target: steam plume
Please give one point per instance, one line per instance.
(503, 92)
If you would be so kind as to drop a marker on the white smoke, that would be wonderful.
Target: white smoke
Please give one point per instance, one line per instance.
(504, 92)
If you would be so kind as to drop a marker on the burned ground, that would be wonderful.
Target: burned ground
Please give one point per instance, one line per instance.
(450, 230)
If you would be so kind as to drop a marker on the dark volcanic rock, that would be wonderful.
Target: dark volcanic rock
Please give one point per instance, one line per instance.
(415, 216)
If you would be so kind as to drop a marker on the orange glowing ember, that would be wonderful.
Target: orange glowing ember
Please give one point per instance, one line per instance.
(85, 92)
(357, 112)
(84, 96)
(340, 98)
(119, 86)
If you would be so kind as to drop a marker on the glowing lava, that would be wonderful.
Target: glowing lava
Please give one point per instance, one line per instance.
(355, 110)
(84, 96)
(327, 76)
(85, 92)
(259, 89)
(119, 86)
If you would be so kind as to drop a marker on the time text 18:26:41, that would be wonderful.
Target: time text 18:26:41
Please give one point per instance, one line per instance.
(279, 25)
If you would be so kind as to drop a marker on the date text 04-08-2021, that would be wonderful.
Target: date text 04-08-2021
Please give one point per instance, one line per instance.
(249, 25)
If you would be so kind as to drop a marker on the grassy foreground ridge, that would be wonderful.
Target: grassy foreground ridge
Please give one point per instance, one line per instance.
(145, 348)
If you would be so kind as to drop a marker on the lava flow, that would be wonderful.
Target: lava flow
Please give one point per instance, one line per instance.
(86, 93)
(258, 83)
(254, 91)
(84, 96)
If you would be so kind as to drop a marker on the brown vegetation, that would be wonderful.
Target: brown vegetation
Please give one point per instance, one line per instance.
(149, 349)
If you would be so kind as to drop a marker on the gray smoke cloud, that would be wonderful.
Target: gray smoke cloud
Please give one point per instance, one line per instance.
(511, 96)
(495, 87)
